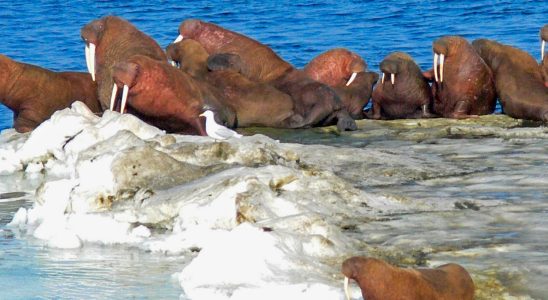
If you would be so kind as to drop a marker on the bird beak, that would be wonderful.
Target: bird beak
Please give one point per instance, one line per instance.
(201, 115)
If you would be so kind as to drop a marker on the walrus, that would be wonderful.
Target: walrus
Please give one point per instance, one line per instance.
(166, 97)
(317, 103)
(519, 84)
(403, 91)
(34, 93)
(109, 40)
(345, 72)
(463, 85)
(189, 56)
(379, 280)
(255, 104)
(335, 67)
(355, 96)
(259, 62)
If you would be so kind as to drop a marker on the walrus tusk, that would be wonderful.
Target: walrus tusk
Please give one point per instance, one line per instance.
(124, 98)
(392, 78)
(351, 78)
(382, 80)
(436, 66)
(346, 292)
(87, 58)
(92, 60)
(178, 39)
(542, 45)
(442, 59)
(113, 96)
(173, 63)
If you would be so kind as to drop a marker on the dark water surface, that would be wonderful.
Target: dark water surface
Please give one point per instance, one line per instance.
(47, 33)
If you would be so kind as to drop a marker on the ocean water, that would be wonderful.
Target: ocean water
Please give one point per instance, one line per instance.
(487, 166)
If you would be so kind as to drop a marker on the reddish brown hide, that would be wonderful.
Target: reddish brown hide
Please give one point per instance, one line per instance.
(116, 40)
(167, 97)
(335, 67)
(190, 56)
(468, 87)
(34, 93)
(379, 280)
(519, 82)
(408, 97)
(255, 104)
(317, 103)
(345, 72)
(259, 62)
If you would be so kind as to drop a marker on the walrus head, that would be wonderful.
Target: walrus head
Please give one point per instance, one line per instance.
(125, 75)
(188, 29)
(444, 47)
(351, 269)
(91, 34)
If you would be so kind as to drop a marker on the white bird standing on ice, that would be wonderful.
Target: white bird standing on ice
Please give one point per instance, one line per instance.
(216, 131)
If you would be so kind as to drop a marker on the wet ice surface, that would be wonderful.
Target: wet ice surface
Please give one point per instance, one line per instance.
(255, 217)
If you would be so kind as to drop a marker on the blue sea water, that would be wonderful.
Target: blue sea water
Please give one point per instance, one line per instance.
(47, 33)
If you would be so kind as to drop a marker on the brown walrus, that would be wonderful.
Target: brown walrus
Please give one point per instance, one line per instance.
(255, 104)
(355, 96)
(336, 67)
(379, 280)
(345, 72)
(259, 62)
(463, 84)
(34, 93)
(403, 91)
(317, 103)
(166, 97)
(519, 83)
(110, 40)
(189, 56)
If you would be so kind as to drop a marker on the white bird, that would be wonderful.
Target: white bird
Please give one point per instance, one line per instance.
(217, 131)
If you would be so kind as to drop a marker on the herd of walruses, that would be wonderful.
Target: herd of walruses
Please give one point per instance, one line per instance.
(247, 84)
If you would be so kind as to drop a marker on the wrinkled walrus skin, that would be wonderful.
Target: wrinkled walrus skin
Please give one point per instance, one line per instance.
(379, 280)
(166, 97)
(409, 96)
(116, 40)
(465, 86)
(34, 93)
(519, 82)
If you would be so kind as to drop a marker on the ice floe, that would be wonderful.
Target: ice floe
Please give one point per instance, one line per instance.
(263, 219)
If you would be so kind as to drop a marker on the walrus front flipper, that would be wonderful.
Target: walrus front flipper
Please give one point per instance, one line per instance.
(22, 121)
(224, 61)
(345, 122)
(461, 111)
